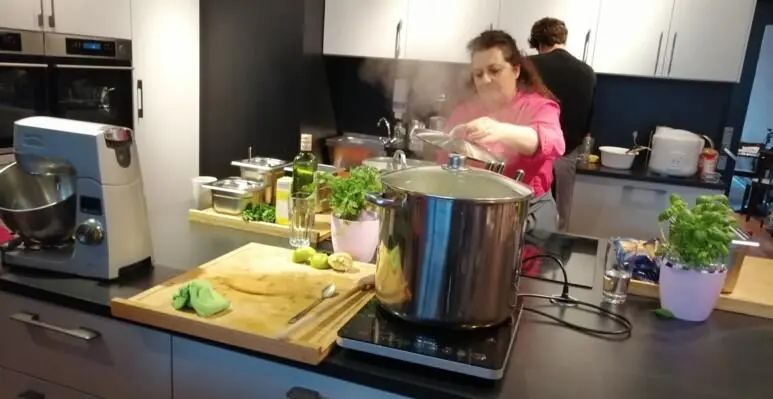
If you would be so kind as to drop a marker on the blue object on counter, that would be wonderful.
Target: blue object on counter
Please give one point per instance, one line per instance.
(640, 255)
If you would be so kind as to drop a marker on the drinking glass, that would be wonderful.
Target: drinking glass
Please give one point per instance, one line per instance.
(616, 280)
(302, 210)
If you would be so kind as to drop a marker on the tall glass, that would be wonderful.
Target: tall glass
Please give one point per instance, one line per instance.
(302, 210)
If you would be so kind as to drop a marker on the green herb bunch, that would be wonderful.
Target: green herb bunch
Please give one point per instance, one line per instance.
(259, 213)
(348, 192)
(698, 237)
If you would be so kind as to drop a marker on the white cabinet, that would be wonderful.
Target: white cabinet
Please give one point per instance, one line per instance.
(95, 355)
(632, 36)
(439, 30)
(102, 18)
(203, 371)
(581, 18)
(607, 207)
(372, 28)
(708, 39)
(166, 76)
(21, 14)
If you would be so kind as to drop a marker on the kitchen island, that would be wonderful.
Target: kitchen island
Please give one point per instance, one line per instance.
(726, 357)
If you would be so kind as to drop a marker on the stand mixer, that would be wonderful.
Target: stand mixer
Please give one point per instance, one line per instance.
(74, 199)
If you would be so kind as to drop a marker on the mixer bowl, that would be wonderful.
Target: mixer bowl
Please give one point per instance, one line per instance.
(38, 208)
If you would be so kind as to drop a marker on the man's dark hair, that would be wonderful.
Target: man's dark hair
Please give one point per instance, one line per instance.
(548, 32)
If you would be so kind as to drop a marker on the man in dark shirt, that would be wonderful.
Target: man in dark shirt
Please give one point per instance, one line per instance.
(573, 82)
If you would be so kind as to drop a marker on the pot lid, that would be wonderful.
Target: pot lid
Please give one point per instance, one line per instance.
(457, 181)
(456, 145)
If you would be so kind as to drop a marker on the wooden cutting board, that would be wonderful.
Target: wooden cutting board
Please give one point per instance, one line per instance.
(265, 289)
(320, 231)
(752, 295)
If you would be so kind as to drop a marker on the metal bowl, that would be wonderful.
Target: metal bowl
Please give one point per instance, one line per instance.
(39, 208)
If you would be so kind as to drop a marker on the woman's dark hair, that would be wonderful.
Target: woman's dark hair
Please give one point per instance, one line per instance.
(548, 32)
(504, 42)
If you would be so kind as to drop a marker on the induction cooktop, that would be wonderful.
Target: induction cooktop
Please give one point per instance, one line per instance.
(580, 255)
(482, 353)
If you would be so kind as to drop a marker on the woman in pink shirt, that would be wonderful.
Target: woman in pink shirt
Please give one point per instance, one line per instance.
(515, 117)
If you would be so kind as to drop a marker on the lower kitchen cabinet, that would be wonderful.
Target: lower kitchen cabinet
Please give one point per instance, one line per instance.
(204, 371)
(87, 353)
(20, 386)
(607, 207)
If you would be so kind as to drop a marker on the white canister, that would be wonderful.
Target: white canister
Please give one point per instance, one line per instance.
(202, 197)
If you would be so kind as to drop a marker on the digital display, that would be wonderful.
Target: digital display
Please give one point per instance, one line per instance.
(92, 46)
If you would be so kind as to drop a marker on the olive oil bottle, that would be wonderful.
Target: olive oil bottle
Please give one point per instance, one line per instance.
(304, 168)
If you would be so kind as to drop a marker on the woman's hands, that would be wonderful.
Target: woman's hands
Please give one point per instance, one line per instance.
(487, 131)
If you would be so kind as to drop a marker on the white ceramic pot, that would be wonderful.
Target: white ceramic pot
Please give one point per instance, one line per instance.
(689, 294)
(357, 238)
(616, 157)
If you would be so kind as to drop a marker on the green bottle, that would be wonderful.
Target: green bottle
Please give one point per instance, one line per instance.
(304, 168)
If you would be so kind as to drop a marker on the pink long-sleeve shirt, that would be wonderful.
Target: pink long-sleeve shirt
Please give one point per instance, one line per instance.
(527, 109)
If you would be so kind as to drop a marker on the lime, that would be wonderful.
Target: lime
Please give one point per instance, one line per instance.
(319, 261)
(303, 254)
(340, 261)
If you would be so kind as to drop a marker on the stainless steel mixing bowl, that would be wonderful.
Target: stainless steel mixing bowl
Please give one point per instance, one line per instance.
(38, 208)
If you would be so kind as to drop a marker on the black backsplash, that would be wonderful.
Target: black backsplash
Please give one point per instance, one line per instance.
(623, 104)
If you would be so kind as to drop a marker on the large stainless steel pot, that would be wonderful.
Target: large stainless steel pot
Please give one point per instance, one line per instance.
(38, 208)
(450, 244)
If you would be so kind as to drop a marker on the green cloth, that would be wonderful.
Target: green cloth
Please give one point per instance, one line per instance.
(200, 296)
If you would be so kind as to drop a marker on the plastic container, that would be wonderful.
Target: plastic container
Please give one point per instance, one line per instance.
(283, 185)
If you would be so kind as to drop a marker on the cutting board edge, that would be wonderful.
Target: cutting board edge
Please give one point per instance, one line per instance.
(137, 312)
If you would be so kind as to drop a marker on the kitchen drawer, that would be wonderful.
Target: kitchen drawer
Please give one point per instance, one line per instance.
(204, 371)
(21, 386)
(608, 207)
(121, 361)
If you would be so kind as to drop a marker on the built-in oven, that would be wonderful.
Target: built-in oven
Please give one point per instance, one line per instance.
(23, 83)
(90, 79)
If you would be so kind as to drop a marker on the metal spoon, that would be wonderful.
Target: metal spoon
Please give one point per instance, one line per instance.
(327, 292)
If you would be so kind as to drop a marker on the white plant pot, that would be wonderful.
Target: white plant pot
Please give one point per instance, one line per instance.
(689, 294)
(357, 238)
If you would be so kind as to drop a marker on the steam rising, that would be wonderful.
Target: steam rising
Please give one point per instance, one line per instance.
(427, 82)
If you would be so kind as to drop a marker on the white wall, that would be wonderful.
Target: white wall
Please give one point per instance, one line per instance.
(759, 114)
(165, 38)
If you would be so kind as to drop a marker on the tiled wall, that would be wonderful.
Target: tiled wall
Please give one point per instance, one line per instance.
(361, 94)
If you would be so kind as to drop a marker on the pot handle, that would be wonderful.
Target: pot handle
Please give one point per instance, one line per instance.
(379, 200)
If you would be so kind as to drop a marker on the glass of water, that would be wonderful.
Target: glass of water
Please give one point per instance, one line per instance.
(616, 280)
(302, 210)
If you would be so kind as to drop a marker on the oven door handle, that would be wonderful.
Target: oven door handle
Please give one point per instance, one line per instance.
(22, 65)
(104, 67)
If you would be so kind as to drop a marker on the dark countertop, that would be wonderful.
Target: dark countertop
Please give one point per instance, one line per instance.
(640, 172)
(729, 356)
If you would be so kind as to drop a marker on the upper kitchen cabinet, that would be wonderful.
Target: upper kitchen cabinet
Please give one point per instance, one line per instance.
(101, 18)
(632, 36)
(372, 28)
(21, 14)
(439, 30)
(581, 18)
(708, 39)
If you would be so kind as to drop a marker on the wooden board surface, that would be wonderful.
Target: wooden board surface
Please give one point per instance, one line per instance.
(753, 293)
(320, 232)
(265, 289)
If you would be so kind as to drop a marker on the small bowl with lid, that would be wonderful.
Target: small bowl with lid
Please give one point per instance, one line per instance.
(230, 196)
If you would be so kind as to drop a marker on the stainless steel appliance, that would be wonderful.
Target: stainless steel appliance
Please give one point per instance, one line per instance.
(23, 79)
(73, 77)
(85, 178)
(449, 249)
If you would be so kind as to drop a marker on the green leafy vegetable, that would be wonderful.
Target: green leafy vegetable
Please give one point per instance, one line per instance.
(259, 213)
(698, 237)
(348, 192)
(663, 313)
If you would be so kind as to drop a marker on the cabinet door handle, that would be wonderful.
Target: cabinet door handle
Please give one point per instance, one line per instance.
(657, 58)
(22, 65)
(40, 20)
(585, 47)
(34, 320)
(491, 26)
(140, 105)
(30, 394)
(52, 17)
(671, 61)
(303, 393)
(398, 32)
